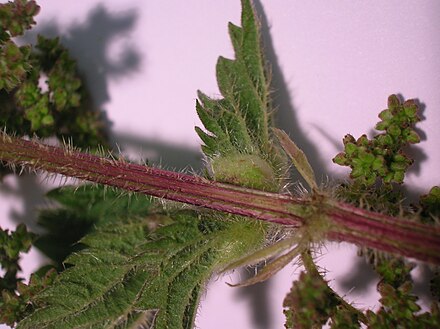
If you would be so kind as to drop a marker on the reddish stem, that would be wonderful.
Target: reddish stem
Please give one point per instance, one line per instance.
(151, 181)
(394, 235)
(348, 223)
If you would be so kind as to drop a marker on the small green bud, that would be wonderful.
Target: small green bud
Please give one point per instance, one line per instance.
(386, 115)
(412, 137)
(399, 176)
(357, 172)
(350, 149)
(47, 120)
(394, 130)
(378, 163)
(371, 179)
(349, 139)
(362, 141)
(366, 158)
(340, 159)
(393, 102)
(381, 125)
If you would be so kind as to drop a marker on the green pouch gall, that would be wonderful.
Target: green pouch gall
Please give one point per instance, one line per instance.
(246, 170)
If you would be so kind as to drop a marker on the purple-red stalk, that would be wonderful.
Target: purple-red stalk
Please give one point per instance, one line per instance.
(347, 223)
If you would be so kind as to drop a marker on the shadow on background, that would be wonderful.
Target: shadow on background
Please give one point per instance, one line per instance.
(167, 156)
(258, 299)
(87, 44)
(360, 278)
(362, 275)
(285, 116)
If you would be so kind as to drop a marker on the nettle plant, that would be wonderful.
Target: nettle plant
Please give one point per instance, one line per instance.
(141, 258)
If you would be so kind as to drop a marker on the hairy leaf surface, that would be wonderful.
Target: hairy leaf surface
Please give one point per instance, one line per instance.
(129, 277)
(238, 139)
(238, 122)
(81, 210)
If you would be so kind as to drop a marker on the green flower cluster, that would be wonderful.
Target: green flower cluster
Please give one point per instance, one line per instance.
(44, 109)
(399, 305)
(382, 157)
(11, 244)
(16, 17)
(40, 89)
(13, 65)
(311, 303)
(62, 76)
(15, 306)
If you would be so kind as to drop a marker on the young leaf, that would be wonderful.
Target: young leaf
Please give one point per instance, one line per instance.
(238, 124)
(128, 277)
(239, 120)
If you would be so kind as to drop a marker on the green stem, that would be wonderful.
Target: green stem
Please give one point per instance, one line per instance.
(345, 222)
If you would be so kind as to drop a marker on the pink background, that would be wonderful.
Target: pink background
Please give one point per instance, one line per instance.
(336, 63)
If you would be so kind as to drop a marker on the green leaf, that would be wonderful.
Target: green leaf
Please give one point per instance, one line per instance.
(83, 209)
(237, 126)
(128, 276)
(241, 118)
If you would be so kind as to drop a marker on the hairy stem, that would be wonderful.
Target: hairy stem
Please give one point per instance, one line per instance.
(165, 184)
(346, 223)
(382, 232)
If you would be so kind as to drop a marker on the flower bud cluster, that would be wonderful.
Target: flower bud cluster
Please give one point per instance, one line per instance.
(382, 157)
